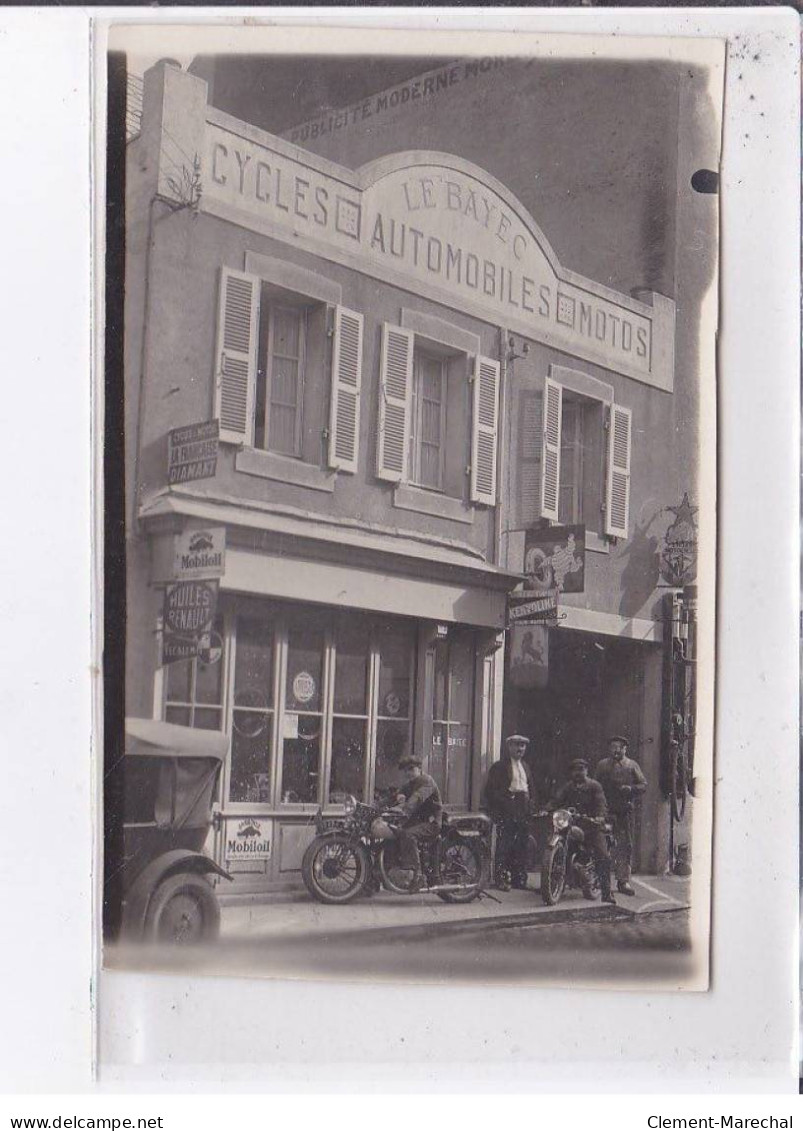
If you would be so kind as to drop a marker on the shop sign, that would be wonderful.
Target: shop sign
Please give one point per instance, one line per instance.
(189, 610)
(290, 725)
(392, 703)
(533, 609)
(192, 452)
(529, 655)
(443, 229)
(200, 554)
(303, 687)
(249, 839)
(554, 558)
(679, 555)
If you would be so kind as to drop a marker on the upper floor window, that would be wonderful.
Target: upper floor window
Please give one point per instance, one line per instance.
(580, 490)
(438, 415)
(288, 370)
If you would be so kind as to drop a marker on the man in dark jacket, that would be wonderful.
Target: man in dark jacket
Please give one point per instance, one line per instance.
(420, 800)
(622, 780)
(586, 796)
(509, 795)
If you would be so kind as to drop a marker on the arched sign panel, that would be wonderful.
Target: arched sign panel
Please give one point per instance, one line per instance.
(440, 226)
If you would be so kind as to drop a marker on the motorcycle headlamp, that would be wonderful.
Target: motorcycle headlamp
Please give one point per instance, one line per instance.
(349, 805)
(561, 819)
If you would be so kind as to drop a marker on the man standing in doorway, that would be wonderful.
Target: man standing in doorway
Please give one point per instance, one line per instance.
(509, 793)
(622, 780)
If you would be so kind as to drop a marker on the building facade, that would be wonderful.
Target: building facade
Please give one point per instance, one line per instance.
(406, 383)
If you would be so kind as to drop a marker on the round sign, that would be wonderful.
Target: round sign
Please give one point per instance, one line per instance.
(392, 703)
(303, 687)
(211, 649)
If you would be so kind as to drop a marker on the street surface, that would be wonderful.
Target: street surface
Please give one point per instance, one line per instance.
(647, 948)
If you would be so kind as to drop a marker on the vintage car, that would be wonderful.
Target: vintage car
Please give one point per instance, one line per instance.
(169, 775)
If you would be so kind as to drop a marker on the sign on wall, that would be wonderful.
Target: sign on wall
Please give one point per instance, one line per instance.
(200, 554)
(192, 452)
(554, 558)
(533, 608)
(188, 614)
(529, 655)
(250, 838)
(679, 554)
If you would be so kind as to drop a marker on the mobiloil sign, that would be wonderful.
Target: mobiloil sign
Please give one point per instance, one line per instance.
(248, 839)
(200, 554)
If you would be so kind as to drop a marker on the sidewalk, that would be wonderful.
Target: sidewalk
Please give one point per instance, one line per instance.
(286, 916)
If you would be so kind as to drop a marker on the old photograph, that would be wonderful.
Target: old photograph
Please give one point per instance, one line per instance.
(411, 504)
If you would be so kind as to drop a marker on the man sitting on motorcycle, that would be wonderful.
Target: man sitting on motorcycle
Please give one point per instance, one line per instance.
(586, 796)
(420, 800)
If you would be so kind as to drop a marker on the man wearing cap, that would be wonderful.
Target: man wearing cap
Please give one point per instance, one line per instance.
(622, 780)
(508, 796)
(586, 796)
(420, 800)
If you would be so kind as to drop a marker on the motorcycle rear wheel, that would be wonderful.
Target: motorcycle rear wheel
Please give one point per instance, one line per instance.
(462, 862)
(335, 869)
(553, 873)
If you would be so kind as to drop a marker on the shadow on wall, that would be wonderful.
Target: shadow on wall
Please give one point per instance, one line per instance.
(641, 574)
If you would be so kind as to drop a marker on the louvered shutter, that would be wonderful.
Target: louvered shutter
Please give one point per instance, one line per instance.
(528, 462)
(344, 418)
(617, 498)
(550, 462)
(395, 390)
(484, 431)
(236, 354)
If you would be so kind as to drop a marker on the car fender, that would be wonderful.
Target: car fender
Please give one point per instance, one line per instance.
(135, 904)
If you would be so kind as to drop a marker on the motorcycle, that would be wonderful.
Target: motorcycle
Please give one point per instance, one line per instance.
(565, 862)
(359, 852)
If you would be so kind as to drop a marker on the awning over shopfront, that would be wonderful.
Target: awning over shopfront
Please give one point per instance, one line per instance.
(275, 552)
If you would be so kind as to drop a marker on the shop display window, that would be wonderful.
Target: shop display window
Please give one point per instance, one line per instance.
(303, 714)
(194, 688)
(350, 719)
(252, 712)
(450, 756)
(396, 650)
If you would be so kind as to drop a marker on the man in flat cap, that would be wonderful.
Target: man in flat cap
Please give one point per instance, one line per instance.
(420, 800)
(508, 796)
(586, 796)
(622, 780)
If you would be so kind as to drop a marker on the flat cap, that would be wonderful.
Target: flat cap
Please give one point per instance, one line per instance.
(409, 760)
(618, 738)
(518, 738)
(578, 763)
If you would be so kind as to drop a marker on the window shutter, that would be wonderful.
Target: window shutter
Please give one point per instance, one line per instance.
(617, 497)
(236, 354)
(484, 431)
(530, 418)
(553, 422)
(395, 390)
(344, 418)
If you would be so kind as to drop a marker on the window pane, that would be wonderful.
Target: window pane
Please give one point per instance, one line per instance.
(208, 718)
(457, 758)
(461, 678)
(304, 668)
(179, 677)
(441, 676)
(253, 667)
(284, 384)
(348, 758)
(250, 757)
(351, 670)
(286, 331)
(395, 665)
(178, 715)
(302, 757)
(282, 430)
(430, 466)
(392, 741)
(209, 676)
(437, 758)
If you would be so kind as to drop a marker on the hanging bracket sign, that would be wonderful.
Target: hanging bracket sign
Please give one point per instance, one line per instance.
(531, 608)
(189, 611)
(200, 554)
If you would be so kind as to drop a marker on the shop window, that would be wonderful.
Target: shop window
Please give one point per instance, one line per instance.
(252, 713)
(350, 711)
(581, 463)
(396, 651)
(453, 696)
(303, 715)
(194, 688)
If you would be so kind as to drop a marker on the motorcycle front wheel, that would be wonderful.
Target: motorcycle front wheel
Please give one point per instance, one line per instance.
(553, 873)
(464, 863)
(335, 869)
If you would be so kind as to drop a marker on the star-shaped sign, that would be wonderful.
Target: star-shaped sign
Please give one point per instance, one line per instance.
(685, 512)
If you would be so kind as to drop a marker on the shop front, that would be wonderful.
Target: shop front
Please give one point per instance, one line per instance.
(321, 699)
